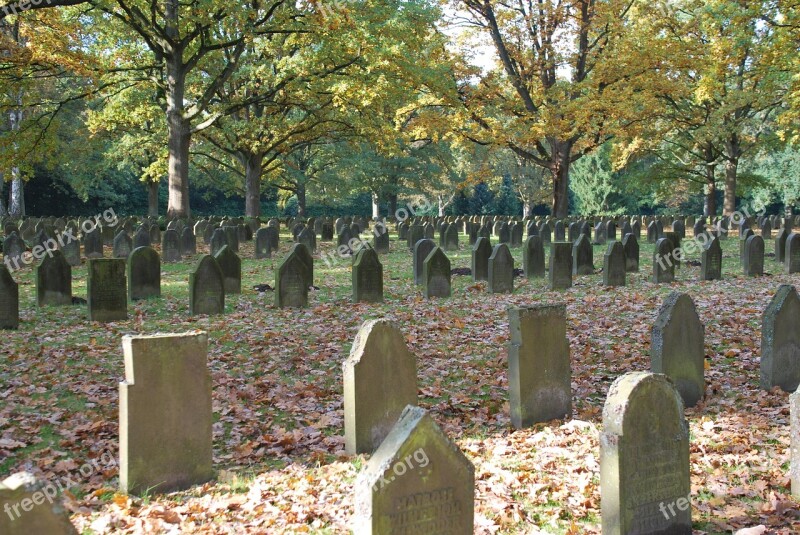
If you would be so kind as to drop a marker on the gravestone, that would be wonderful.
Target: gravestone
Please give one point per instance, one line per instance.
(93, 244)
(677, 348)
(663, 264)
(417, 482)
(501, 270)
(436, 274)
(614, 266)
(381, 240)
(206, 288)
(367, 277)
(780, 244)
(232, 237)
(307, 260)
(32, 507)
(481, 252)
(188, 242)
(611, 231)
(421, 251)
(516, 235)
(539, 375)
(307, 238)
(630, 246)
(54, 280)
(141, 238)
(652, 232)
(792, 255)
(171, 246)
(766, 230)
(107, 290)
(533, 257)
(9, 300)
(291, 279)
(699, 228)
(274, 238)
(343, 240)
(123, 245)
(13, 247)
(144, 274)
(711, 261)
(165, 413)
(780, 341)
(231, 266)
(72, 252)
(753, 259)
(380, 380)
(219, 239)
(262, 244)
(415, 233)
(560, 276)
(451, 238)
(582, 257)
(644, 458)
(546, 233)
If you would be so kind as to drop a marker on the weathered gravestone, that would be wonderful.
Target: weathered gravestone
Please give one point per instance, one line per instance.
(32, 507)
(72, 252)
(54, 280)
(630, 246)
(367, 277)
(144, 274)
(792, 255)
(9, 300)
(170, 246)
(481, 252)
(274, 238)
(644, 458)
(231, 266)
(582, 257)
(93, 244)
(421, 251)
(165, 413)
(380, 380)
(560, 276)
(614, 267)
(207, 288)
(13, 247)
(436, 274)
(123, 245)
(219, 239)
(780, 341)
(663, 263)
(711, 261)
(141, 238)
(451, 238)
(417, 482)
(677, 348)
(232, 237)
(262, 244)
(188, 242)
(558, 231)
(753, 258)
(381, 240)
(780, 244)
(307, 238)
(291, 280)
(533, 257)
(107, 290)
(501, 270)
(539, 375)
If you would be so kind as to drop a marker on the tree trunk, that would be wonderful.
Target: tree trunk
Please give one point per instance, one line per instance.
(178, 127)
(16, 204)
(392, 198)
(301, 200)
(376, 206)
(442, 205)
(560, 170)
(252, 172)
(710, 208)
(3, 209)
(527, 207)
(732, 154)
(152, 198)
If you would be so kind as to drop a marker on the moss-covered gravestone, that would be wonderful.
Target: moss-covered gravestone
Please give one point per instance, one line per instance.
(54, 280)
(753, 257)
(9, 300)
(380, 379)
(31, 507)
(171, 246)
(144, 274)
(421, 251)
(123, 245)
(219, 239)
(780, 244)
(291, 280)
(630, 245)
(206, 288)
(188, 242)
(539, 374)
(533, 257)
(614, 265)
(436, 274)
(780, 341)
(481, 251)
(417, 482)
(262, 247)
(792, 255)
(107, 290)
(501, 270)
(367, 277)
(678, 347)
(560, 276)
(231, 266)
(644, 458)
(165, 413)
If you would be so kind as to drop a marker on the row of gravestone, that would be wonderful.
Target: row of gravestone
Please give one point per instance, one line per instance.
(417, 480)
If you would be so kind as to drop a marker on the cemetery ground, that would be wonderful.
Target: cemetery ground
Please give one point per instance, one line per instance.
(278, 398)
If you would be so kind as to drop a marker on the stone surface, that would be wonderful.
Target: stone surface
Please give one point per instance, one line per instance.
(481, 252)
(753, 258)
(421, 251)
(780, 341)
(677, 348)
(711, 261)
(291, 280)
(501, 270)
(436, 274)
(31, 507)
(367, 277)
(663, 263)
(144, 274)
(123, 245)
(792, 254)
(583, 257)
(9, 300)
(644, 458)
(93, 244)
(533, 257)
(107, 290)
(171, 246)
(614, 267)
(560, 276)
(165, 413)
(417, 483)
(539, 375)
(231, 266)
(380, 379)
(54, 280)
(630, 245)
(206, 288)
